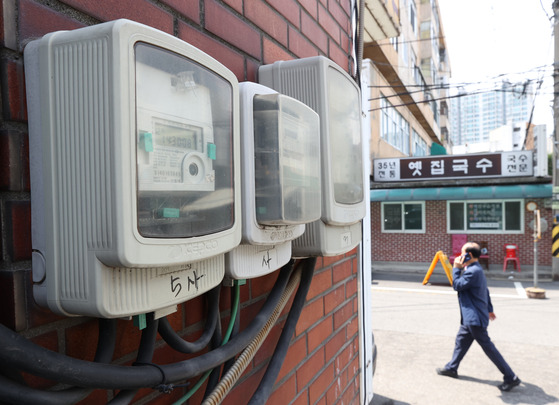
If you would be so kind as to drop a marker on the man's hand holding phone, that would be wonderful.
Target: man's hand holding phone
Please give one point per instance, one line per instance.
(460, 260)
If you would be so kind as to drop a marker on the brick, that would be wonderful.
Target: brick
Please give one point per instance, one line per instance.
(229, 58)
(343, 314)
(18, 227)
(251, 70)
(341, 15)
(195, 310)
(312, 312)
(190, 9)
(267, 19)
(352, 327)
(351, 287)
(273, 53)
(288, 9)
(321, 282)
(12, 299)
(268, 346)
(235, 4)
(81, 340)
(36, 20)
(319, 386)
(127, 338)
(249, 312)
(37, 316)
(261, 286)
(330, 260)
(333, 299)
(14, 161)
(141, 11)
(232, 29)
(329, 24)
(307, 370)
(338, 55)
(311, 7)
(319, 333)
(13, 91)
(284, 392)
(342, 271)
(295, 355)
(334, 393)
(300, 46)
(335, 344)
(302, 398)
(176, 318)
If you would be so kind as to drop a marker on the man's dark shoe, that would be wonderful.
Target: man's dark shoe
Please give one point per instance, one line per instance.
(507, 386)
(448, 373)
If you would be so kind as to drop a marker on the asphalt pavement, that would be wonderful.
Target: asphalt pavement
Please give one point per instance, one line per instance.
(415, 325)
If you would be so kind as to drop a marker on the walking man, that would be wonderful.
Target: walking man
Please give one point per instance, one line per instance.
(476, 310)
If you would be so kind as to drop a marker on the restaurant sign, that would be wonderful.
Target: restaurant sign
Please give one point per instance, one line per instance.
(507, 164)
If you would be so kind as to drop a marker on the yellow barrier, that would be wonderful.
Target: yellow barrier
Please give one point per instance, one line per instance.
(439, 256)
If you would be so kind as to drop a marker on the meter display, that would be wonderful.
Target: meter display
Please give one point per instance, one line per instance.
(178, 158)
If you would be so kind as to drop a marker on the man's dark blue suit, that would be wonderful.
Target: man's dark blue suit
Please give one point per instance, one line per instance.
(475, 306)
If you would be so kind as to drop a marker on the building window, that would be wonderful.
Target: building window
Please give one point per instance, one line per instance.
(403, 217)
(485, 216)
(413, 16)
(419, 145)
(394, 128)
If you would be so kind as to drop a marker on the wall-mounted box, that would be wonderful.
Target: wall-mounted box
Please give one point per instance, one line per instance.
(135, 177)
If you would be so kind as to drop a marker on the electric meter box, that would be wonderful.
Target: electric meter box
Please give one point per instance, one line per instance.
(333, 94)
(135, 177)
(281, 187)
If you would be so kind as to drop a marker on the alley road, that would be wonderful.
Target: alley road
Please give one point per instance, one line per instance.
(415, 326)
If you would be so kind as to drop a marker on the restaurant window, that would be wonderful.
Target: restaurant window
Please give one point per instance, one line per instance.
(403, 217)
(485, 216)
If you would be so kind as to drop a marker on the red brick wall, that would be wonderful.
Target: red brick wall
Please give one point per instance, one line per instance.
(421, 248)
(322, 364)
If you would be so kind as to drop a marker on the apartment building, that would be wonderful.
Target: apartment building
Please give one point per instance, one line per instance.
(475, 115)
(407, 74)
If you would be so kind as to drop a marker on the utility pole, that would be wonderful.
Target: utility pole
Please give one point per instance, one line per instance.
(555, 231)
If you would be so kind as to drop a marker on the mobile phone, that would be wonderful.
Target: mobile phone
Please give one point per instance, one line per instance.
(467, 258)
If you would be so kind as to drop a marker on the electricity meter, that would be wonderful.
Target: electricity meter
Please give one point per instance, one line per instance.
(333, 94)
(135, 178)
(280, 144)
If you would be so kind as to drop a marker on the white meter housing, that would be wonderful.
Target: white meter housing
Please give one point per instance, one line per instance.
(281, 188)
(333, 94)
(135, 178)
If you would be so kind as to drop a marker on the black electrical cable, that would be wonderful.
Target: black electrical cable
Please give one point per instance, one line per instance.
(106, 341)
(177, 343)
(21, 354)
(216, 341)
(144, 357)
(213, 379)
(15, 392)
(264, 389)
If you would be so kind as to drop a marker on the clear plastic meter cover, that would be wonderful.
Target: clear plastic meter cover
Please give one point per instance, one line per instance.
(184, 134)
(287, 165)
(345, 139)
